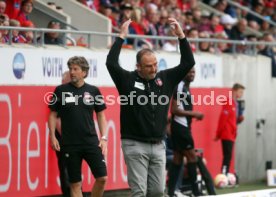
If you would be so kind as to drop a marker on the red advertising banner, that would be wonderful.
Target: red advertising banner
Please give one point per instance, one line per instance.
(29, 165)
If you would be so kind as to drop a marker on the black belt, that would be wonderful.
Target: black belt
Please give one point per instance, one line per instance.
(154, 141)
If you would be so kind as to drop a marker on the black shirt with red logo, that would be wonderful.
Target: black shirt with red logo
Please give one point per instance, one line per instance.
(75, 107)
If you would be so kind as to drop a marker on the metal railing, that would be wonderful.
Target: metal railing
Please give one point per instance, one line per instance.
(155, 39)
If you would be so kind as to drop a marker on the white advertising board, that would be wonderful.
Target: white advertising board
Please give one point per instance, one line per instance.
(40, 66)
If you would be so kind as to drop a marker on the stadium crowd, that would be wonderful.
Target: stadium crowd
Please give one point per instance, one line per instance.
(149, 17)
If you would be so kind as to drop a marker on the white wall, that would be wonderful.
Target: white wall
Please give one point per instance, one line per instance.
(253, 150)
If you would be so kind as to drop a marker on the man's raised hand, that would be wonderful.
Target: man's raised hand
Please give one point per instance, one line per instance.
(176, 28)
(124, 29)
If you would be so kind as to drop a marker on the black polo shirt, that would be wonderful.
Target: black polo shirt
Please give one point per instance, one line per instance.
(75, 107)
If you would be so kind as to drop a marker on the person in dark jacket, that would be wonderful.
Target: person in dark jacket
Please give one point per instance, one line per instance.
(143, 118)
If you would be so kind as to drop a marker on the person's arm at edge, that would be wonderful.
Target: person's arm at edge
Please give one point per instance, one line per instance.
(102, 126)
(179, 112)
(52, 121)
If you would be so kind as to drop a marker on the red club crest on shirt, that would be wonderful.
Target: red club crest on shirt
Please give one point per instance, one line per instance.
(159, 82)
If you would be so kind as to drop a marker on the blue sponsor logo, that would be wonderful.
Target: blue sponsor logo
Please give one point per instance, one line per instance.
(162, 65)
(19, 65)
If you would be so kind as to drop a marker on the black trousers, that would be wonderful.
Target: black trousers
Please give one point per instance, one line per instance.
(206, 176)
(63, 174)
(227, 149)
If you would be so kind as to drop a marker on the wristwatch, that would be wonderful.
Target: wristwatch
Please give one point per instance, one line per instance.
(104, 137)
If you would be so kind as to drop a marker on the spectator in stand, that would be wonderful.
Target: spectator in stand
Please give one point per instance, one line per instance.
(2, 18)
(177, 14)
(232, 11)
(258, 9)
(187, 5)
(106, 10)
(13, 8)
(4, 21)
(269, 51)
(250, 49)
(227, 21)
(254, 25)
(25, 10)
(216, 27)
(171, 4)
(126, 11)
(193, 33)
(269, 9)
(204, 24)
(189, 21)
(238, 31)
(136, 27)
(3, 6)
(135, 3)
(162, 26)
(16, 37)
(152, 17)
(221, 47)
(265, 26)
(170, 45)
(159, 4)
(115, 16)
(196, 12)
(224, 7)
(205, 46)
(52, 37)
(221, 5)
(28, 35)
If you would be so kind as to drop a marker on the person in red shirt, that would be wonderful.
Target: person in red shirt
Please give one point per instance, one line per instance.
(25, 10)
(13, 8)
(3, 6)
(227, 126)
(27, 35)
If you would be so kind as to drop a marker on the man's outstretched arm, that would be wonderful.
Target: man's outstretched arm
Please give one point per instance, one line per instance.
(112, 61)
(187, 60)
